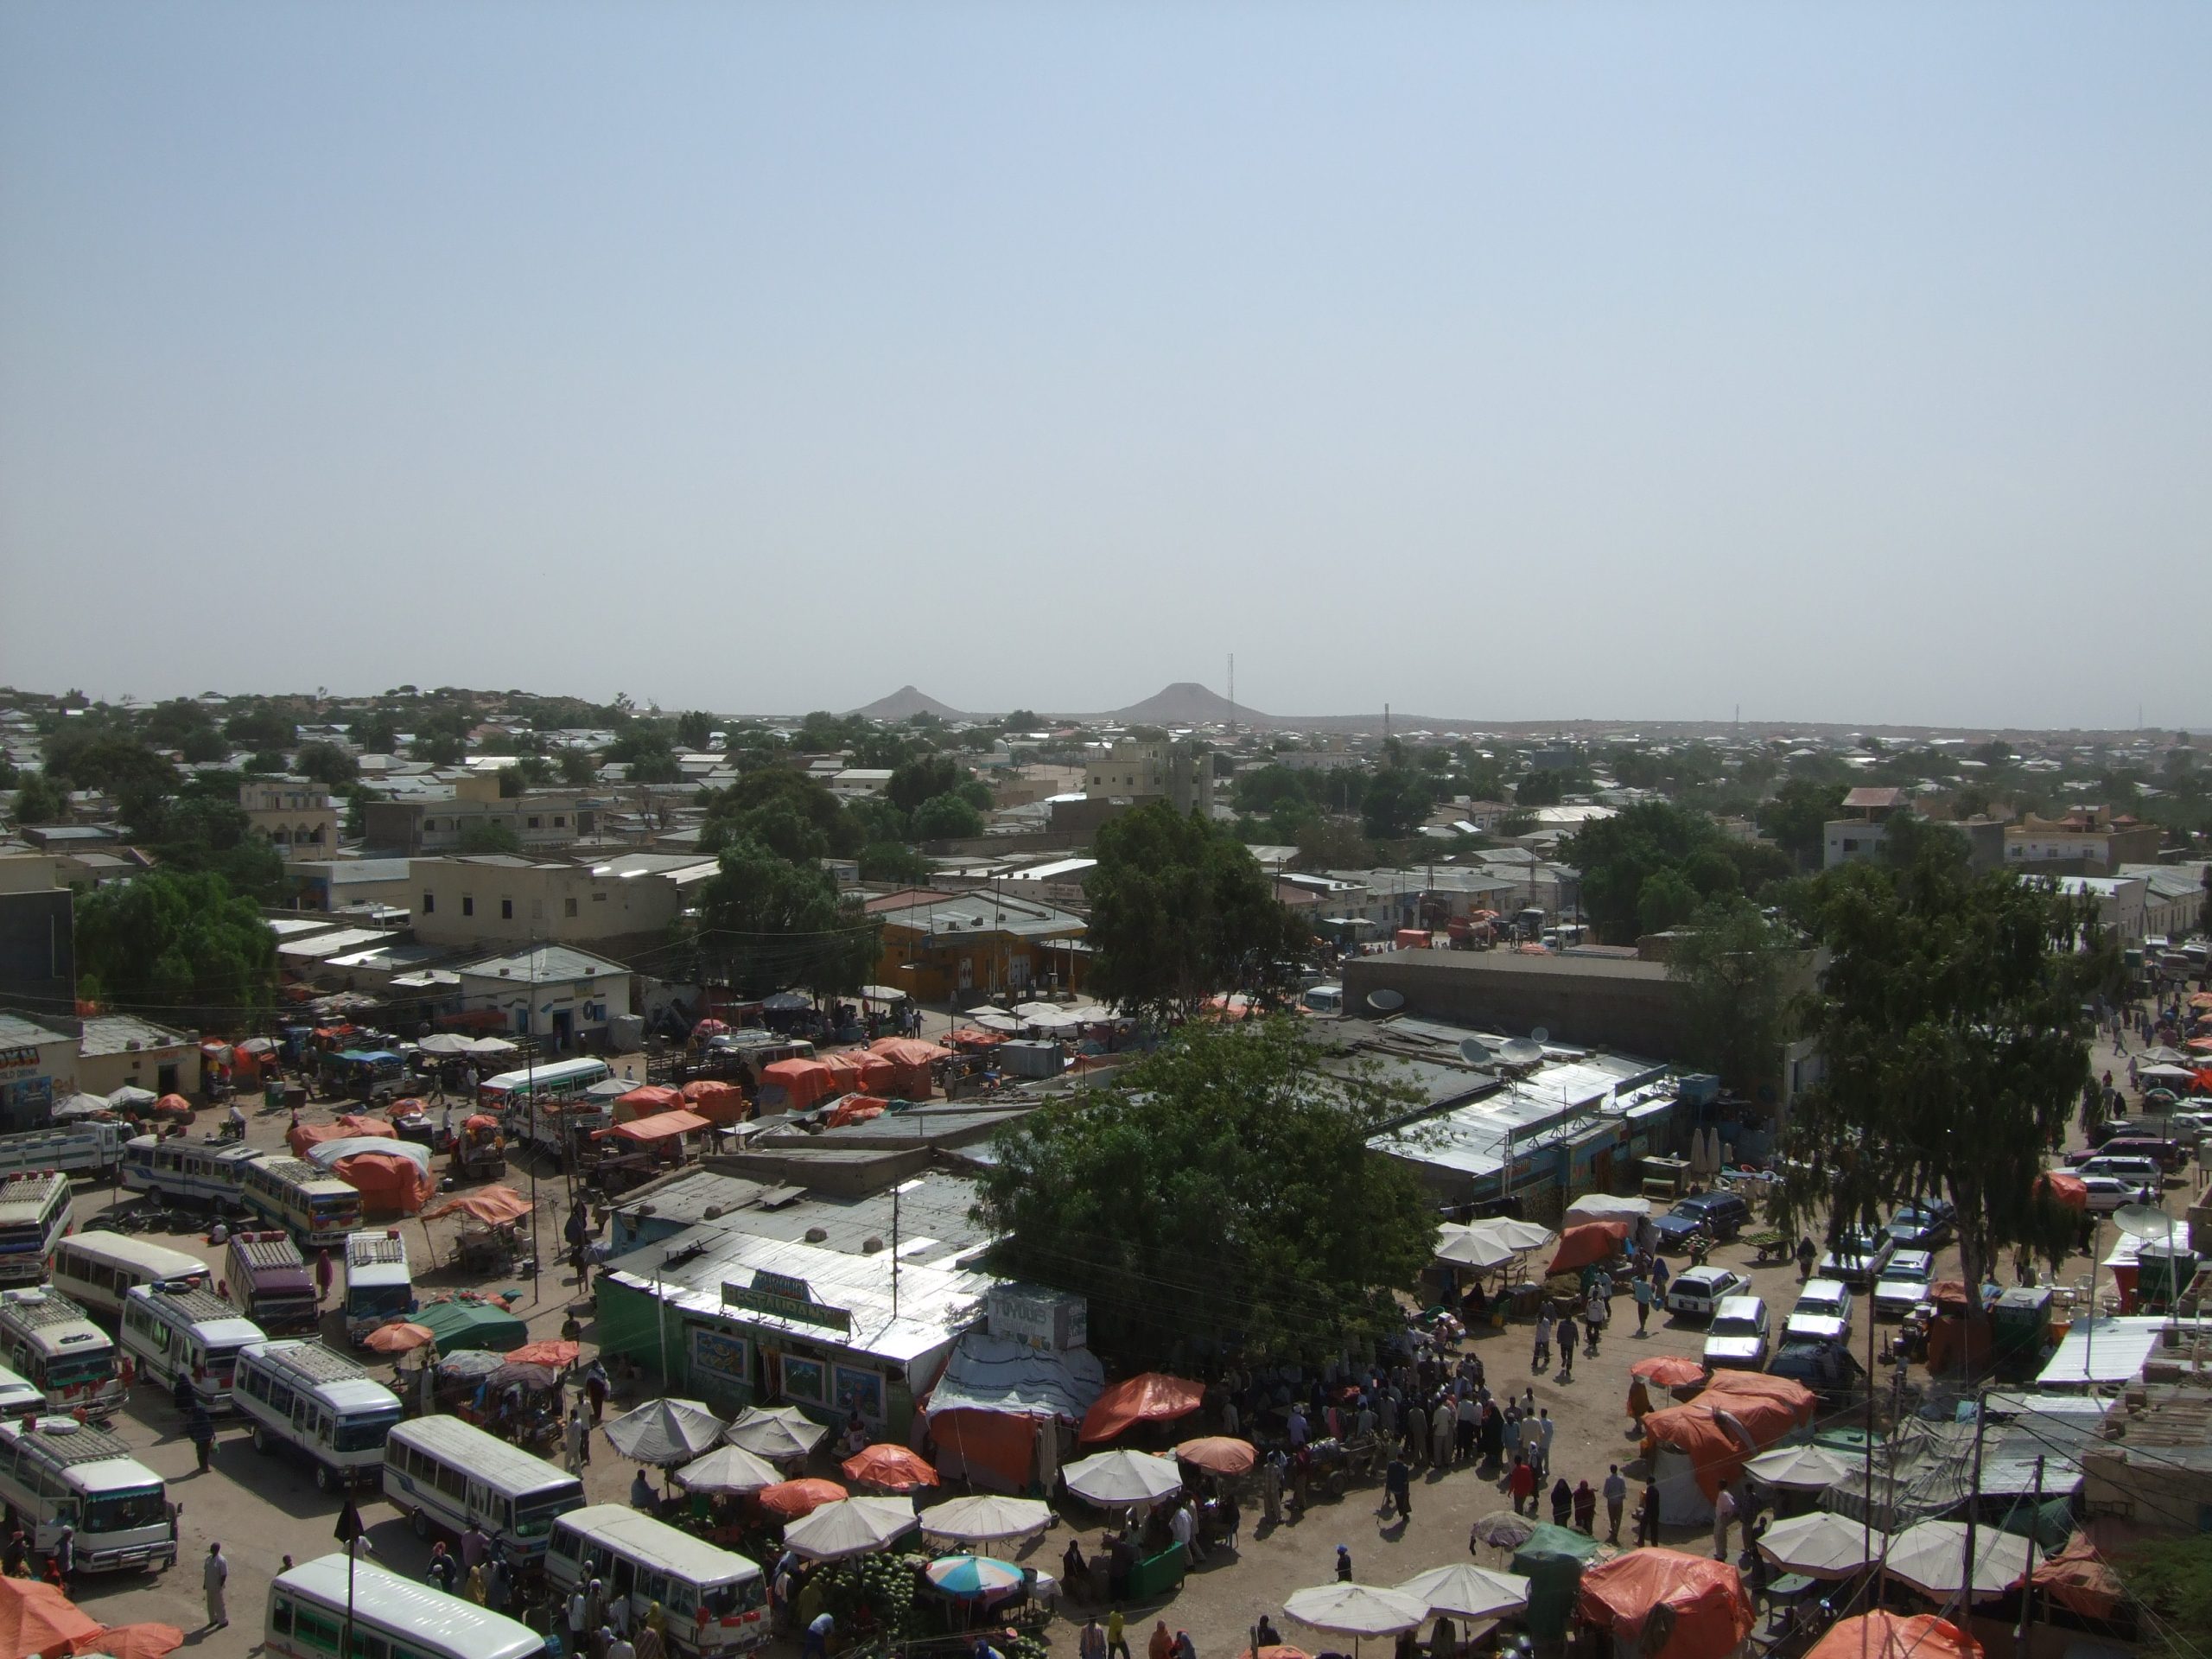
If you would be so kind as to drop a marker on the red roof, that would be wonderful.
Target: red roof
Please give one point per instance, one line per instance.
(1873, 799)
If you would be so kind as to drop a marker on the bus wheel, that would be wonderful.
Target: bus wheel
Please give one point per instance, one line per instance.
(261, 1439)
(421, 1524)
(323, 1482)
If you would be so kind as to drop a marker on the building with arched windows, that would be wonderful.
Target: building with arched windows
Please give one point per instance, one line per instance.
(301, 818)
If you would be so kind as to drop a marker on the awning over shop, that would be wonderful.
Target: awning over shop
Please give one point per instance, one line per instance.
(661, 1126)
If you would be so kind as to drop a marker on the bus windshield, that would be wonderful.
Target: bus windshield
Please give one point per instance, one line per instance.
(365, 1432)
(19, 1237)
(141, 1506)
(79, 1368)
(721, 1600)
(345, 1208)
(379, 1299)
(536, 1520)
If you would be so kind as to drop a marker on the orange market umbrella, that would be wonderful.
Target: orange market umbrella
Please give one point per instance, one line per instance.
(793, 1498)
(177, 1105)
(1881, 1635)
(1147, 1397)
(892, 1467)
(398, 1337)
(35, 1618)
(134, 1642)
(1273, 1651)
(1220, 1454)
(548, 1353)
(1668, 1370)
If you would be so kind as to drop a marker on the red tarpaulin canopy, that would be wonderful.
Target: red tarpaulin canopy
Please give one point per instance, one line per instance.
(1709, 1612)
(855, 1109)
(35, 1618)
(859, 1073)
(359, 1123)
(1590, 1242)
(644, 1102)
(1148, 1397)
(133, 1641)
(1884, 1635)
(793, 1498)
(659, 1127)
(716, 1101)
(794, 1085)
(1739, 1414)
(975, 1037)
(910, 1059)
(2070, 1190)
(388, 1183)
(495, 1206)
(893, 1467)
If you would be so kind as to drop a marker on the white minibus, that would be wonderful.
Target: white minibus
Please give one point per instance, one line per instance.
(560, 1080)
(716, 1601)
(319, 1403)
(97, 1271)
(53, 1344)
(442, 1473)
(56, 1471)
(378, 1286)
(34, 1217)
(191, 1334)
(189, 1171)
(18, 1398)
(392, 1617)
(316, 1209)
(88, 1148)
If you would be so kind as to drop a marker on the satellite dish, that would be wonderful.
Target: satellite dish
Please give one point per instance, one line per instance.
(1539, 1035)
(1519, 1051)
(1474, 1051)
(1386, 1000)
(2143, 1221)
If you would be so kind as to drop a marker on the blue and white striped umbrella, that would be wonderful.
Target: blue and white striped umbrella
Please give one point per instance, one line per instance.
(979, 1577)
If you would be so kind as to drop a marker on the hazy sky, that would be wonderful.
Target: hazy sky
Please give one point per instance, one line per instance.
(1502, 361)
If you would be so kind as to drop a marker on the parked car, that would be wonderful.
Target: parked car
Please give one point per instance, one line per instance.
(2144, 1171)
(2109, 1193)
(1695, 1292)
(1737, 1335)
(1822, 1311)
(1903, 1283)
(1923, 1224)
(2167, 1154)
(1857, 1258)
(1722, 1215)
(1826, 1367)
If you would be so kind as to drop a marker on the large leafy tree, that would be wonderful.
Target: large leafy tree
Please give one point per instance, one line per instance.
(1796, 819)
(1651, 866)
(1221, 1197)
(1739, 971)
(1180, 912)
(201, 828)
(766, 922)
(924, 779)
(182, 949)
(1398, 800)
(326, 764)
(1952, 1029)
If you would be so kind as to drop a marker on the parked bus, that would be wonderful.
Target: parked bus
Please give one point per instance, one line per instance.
(268, 1278)
(556, 1080)
(319, 1403)
(716, 1601)
(97, 1271)
(189, 1333)
(33, 1217)
(442, 1474)
(316, 1209)
(55, 1472)
(378, 1286)
(188, 1171)
(92, 1148)
(53, 1344)
(311, 1606)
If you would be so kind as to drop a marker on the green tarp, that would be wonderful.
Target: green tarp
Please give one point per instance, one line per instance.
(1552, 1561)
(472, 1325)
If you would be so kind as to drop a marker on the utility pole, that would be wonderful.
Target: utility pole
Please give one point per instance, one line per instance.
(896, 1193)
(1973, 1501)
(2028, 1583)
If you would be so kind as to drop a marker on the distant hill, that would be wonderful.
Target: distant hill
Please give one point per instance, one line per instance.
(1186, 704)
(905, 703)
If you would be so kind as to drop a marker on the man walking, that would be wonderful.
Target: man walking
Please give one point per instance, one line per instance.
(214, 1578)
(1615, 1500)
(1540, 1430)
(1543, 1354)
(1567, 1335)
(1398, 1487)
(1724, 1517)
(1647, 1517)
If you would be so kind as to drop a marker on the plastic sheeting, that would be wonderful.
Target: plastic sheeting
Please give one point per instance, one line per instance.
(856, 1071)
(1884, 1635)
(716, 1101)
(795, 1085)
(1590, 1241)
(389, 1184)
(1701, 1603)
(661, 1126)
(1148, 1397)
(1738, 1415)
(495, 1206)
(645, 1101)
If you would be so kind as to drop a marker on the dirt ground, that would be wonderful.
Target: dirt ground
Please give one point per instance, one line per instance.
(263, 1508)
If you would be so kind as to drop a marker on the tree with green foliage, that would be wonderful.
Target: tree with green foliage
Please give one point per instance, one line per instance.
(1954, 1029)
(893, 862)
(947, 817)
(1180, 911)
(923, 778)
(121, 767)
(482, 837)
(201, 828)
(1620, 856)
(1332, 845)
(39, 800)
(181, 949)
(261, 727)
(377, 734)
(326, 764)
(1219, 1200)
(767, 922)
(695, 730)
(1796, 819)
(1540, 786)
(769, 805)
(579, 768)
(1396, 802)
(1021, 720)
(2170, 1579)
(1737, 972)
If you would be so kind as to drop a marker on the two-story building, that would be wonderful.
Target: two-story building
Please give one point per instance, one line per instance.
(542, 820)
(1863, 831)
(298, 816)
(954, 948)
(499, 899)
(1134, 770)
(2086, 841)
(564, 997)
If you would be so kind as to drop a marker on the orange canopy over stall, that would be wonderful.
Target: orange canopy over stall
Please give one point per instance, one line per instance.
(495, 1206)
(855, 1109)
(2070, 1190)
(361, 1123)
(793, 1498)
(1709, 1612)
(388, 1183)
(1150, 1396)
(1000, 1443)
(716, 1101)
(2081, 1576)
(794, 1085)
(975, 1037)
(1738, 1415)
(36, 1617)
(910, 1060)
(659, 1127)
(894, 1468)
(1590, 1242)
(859, 1073)
(645, 1100)
(1884, 1635)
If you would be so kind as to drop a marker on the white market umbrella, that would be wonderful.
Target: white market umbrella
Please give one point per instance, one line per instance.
(82, 1106)
(491, 1048)
(664, 1431)
(852, 1526)
(1603, 1206)
(1124, 1476)
(446, 1042)
(1931, 1558)
(131, 1095)
(1820, 1545)
(729, 1469)
(1799, 1468)
(1463, 1249)
(1514, 1235)
(779, 1433)
(986, 1518)
(1465, 1591)
(1356, 1610)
